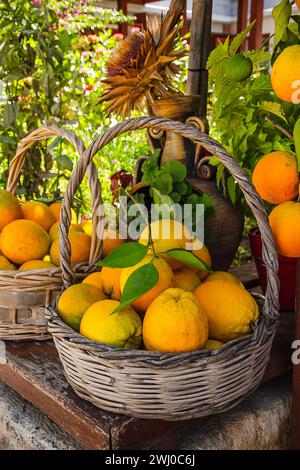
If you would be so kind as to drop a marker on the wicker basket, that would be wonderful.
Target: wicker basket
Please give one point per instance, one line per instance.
(24, 294)
(148, 384)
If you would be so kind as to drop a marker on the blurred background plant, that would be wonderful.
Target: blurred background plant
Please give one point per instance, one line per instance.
(52, 61)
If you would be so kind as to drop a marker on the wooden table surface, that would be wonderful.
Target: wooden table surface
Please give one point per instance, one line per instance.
(35, 372)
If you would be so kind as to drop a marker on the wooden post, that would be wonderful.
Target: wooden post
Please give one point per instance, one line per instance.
(242, 19)
(200, 46)
(257, 13)
(296, 373)
(123, 27)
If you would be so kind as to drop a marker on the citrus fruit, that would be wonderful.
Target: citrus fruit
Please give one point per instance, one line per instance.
(111, 282)
(175, 322)
(222, 275)
(95, 279)
(111, 241)
(54, 230)
(213, 344)
(87, 226)
(166, 280)
(285, 223)
(10, 208)
(55, 209)
(285, 74)
(75, 301)
(204, 255)
(229, 307)
(39, 213)
(238, 68)
(6, 265)
(275, 177)
(24, 240)
(80, 248)
(186, 279)
(166, 234)
(36, 264)
(122, 329)
(298, 4)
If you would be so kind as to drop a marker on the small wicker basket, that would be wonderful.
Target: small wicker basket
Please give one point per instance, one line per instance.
(157, 385)
(24, 294)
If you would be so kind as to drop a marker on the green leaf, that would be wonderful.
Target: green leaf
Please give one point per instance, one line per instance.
(274, 108)
(281, 14)
(188, 258)
(138, 283)
(239, 39)
(214, 161)
(220, 171)
(126, 255)
(231, 187)
(10, 114)
(165, 204)
(296, 135)
(64, 162)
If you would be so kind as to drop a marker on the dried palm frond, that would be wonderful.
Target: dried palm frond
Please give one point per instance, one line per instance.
(141, 68)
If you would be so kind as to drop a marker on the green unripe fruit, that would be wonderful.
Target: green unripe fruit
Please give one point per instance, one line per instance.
(176, 169)
(238, 68)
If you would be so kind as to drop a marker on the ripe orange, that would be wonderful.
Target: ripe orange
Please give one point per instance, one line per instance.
(10, 208)
(230, 309)
(95, 279)
(186, 279)
(285, 76)
(111, 241)
(204, 255)
(285, 223)
(54, 230)
(80, 248)
(39, 213)
(24, 240)
(55, 209)
(36, 264)
(6, 265)
(122, 329)
(175, 322)
(75, 301)
(166, 234)
(87, 226)
(298, 4)
(166, 280)
(213, 344)
(111, 282)
(275, 177)
(222, 275)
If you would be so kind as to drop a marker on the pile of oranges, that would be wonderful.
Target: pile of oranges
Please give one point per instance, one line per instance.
(29, 235)
(187, 309)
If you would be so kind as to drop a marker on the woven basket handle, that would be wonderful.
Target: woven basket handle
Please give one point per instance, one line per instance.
(269, 251)
(47, 132)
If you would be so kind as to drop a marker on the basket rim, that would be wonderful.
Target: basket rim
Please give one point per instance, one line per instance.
(263, 329)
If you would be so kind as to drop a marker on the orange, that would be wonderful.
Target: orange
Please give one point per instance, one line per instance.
(166, 280)
(222, 275)
(111, 241)
(285, 75)
(87, 226)
(186, 279)
(75, 301)
(54, 230)
(24, 240)
(166, 234)
(213, 344)
(55, 209)
(94, 279)
(6, 265)
(285, 223)
(80, 248)
(230, 309)
(39, 213)
(111, 282)
(298, 4)
(121, 329)
(36, 264)
(204, 255)
(275, 177)
(175, 322)
(10, 208)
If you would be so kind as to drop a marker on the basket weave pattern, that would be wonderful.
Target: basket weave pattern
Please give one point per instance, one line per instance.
(25, 294)
(168, 386)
